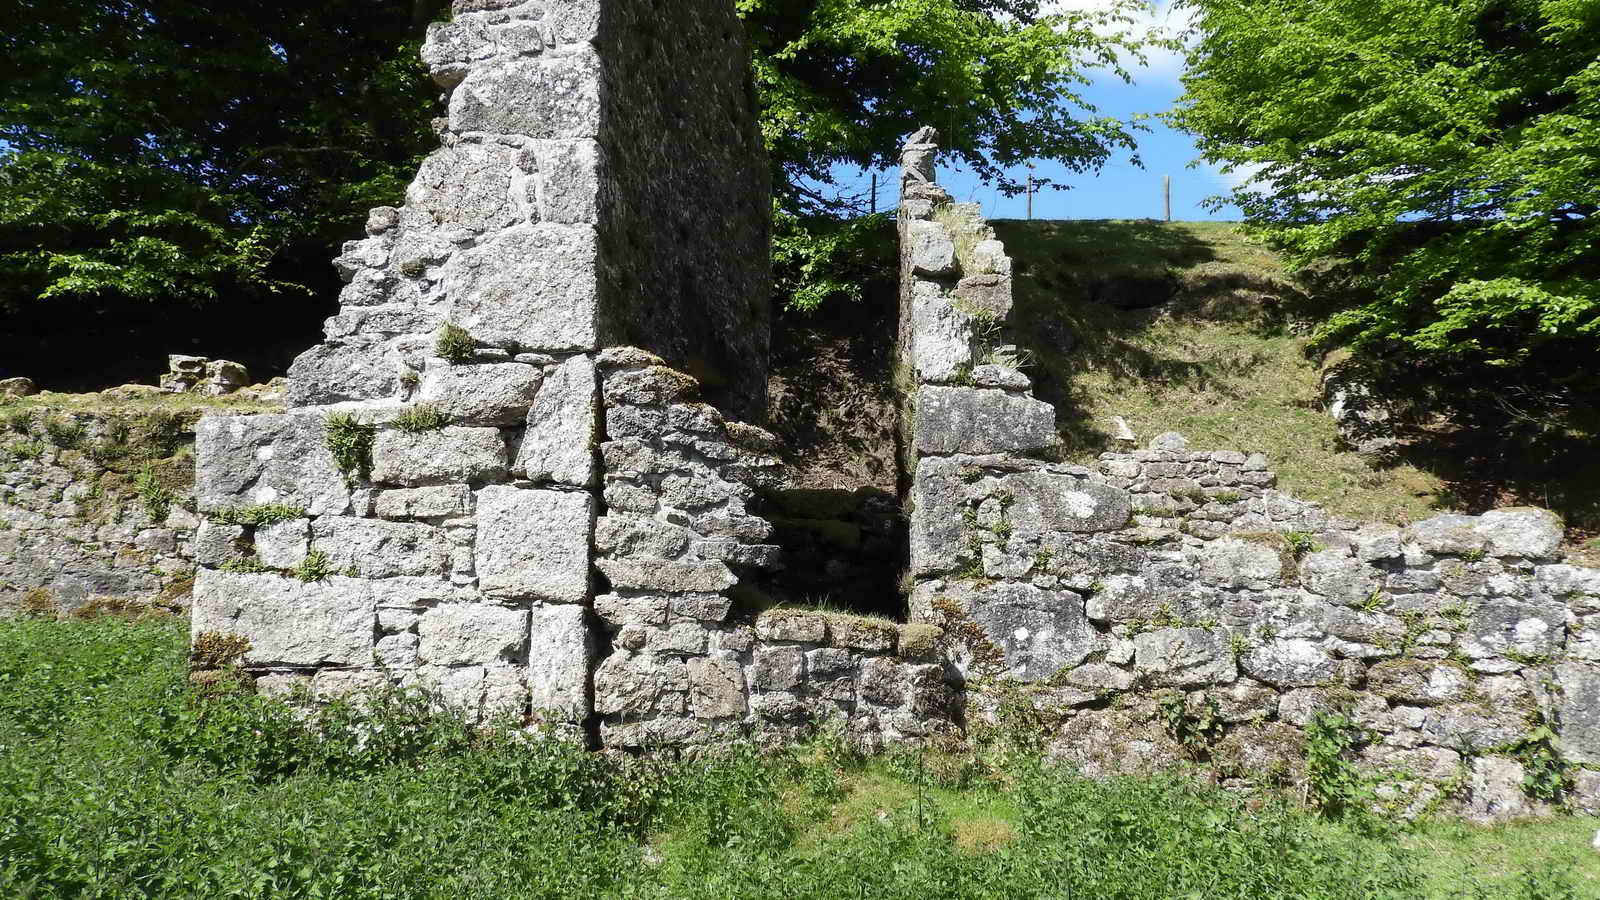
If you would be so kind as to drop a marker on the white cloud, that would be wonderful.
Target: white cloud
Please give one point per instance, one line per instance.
(1163, 17)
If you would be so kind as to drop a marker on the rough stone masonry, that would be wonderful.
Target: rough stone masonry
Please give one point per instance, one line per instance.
(480, 488)
(599, 182)
(1169, 604)
(497, 482)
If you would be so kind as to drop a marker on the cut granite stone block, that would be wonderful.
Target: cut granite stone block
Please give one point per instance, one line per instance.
(481, 394)
(448, 455)
(354, 369)
(467, 186)
(283, 545)
(563, 427)
(436, 502)
(288, 622)
(373, 548)
(249, 460)
(535, 283)
(534, 544)
(560, 652)
(981, 420)
(553, 95)
(459, 634)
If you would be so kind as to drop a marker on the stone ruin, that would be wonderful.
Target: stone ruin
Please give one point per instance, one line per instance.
(529, 513)
(498, 482)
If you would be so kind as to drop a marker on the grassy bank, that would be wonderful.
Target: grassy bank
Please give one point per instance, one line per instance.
(1189, 327)
(118, 779)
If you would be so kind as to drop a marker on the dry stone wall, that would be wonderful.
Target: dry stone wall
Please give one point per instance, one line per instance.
(692, 656)
(88, 522)
(1168, 604)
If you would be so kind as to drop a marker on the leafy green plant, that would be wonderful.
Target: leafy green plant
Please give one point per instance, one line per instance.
(454, 344)
(421, 417)
(65, 433)
(156, 497)
(1547, 775)
(315, 567)
(350, 442)
(1333, 784)
(258, 514)
(17, 421)
(1301, 542)
(1194, 729)
(27, 450)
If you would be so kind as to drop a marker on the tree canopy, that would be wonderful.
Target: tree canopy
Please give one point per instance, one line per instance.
(192, 151)
(1450, 148)
(842, 82)
(186, 151)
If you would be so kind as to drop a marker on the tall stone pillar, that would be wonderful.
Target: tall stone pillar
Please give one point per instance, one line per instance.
(424, 512)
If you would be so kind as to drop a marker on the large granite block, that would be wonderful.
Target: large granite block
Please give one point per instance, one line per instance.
(288, 622)
(560, 651)
(247, 460)
(534, 543)
(535, 284)
(449, 455)
(979, 420)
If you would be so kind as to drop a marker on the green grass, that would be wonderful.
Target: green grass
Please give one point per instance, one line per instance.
(121, 778)
(1224, 361)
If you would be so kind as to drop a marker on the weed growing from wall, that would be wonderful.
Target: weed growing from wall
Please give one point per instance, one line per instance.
(350, 442)
(258, 514)
(422, 417)
(155, 496)
(314, 567)
(1333, 784)
(1547, 776)
(454, 344)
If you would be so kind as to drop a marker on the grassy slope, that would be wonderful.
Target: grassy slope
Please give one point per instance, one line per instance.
(1223, 362)
(118, 780)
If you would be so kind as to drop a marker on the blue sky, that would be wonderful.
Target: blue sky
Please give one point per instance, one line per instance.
(1121, 190)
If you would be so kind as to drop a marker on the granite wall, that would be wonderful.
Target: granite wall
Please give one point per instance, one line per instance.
(1168, 605)
(96, 511)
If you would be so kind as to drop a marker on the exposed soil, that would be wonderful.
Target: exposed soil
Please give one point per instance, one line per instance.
(831, 394)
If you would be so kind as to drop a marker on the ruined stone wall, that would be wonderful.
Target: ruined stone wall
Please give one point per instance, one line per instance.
(1170, 605)
(476, 491)
(685, 205)
(693, 655)
(86, 526)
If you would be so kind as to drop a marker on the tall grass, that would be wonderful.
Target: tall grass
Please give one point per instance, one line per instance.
(118, 778)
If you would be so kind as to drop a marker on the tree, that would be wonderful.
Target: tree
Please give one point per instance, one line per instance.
(189, 151)
(1450, 148)
(842, 82)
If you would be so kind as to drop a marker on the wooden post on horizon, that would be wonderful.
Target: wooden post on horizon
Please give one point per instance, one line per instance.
(1030, 195)
(1166, 193)
(874, 208)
